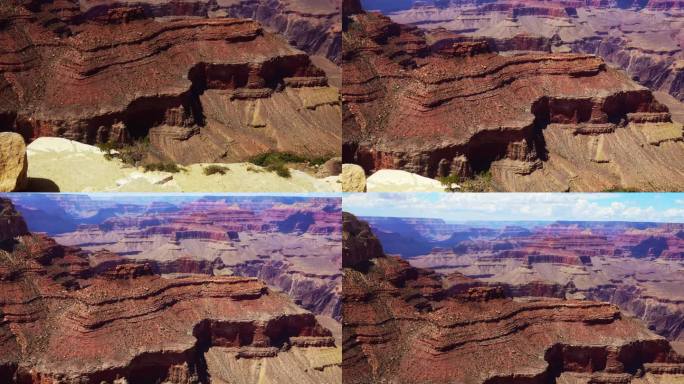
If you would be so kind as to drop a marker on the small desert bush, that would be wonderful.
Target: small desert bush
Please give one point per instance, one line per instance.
(280, 170)
(215, 169)
(448, 181)
(163, 167)
(130, 154)
(277, 161)
(481, 182)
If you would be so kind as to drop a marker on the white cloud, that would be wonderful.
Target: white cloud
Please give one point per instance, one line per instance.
(515, 206)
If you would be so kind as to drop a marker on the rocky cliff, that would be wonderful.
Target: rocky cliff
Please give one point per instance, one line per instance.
(66, 322)
(642, 38)
(198, 88)
(439, 104)
(405, 325)
(293, 244)
(636, 266)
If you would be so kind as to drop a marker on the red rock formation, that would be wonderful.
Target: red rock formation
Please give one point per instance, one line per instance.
(437, 104)
(201, 89)
(402, 326)
(633, 265)
(293, 246)
(641, 37)
(63, 321)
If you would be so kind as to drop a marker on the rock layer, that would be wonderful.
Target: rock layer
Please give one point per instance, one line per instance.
(642, 38)
(405, 325)
(64, 321)
(293, 244)
(637, 266)
(438, 104)
(199, 89)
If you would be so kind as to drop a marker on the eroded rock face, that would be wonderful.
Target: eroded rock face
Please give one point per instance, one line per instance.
(13, 165)
(636, 266)
(406, 325)
(642, 38)
(64, 321)
(437, 104)
(291, 245)
(201, 89)
(313, 26)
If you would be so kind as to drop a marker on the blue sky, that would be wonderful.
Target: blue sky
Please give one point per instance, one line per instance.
(659, 207)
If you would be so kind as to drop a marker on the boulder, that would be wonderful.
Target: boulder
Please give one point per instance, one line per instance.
(13, 164)
(392, 180)
(353, 178)
(332, 167)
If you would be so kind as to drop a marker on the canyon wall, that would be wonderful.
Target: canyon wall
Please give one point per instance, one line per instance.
(405, 325)
(441, 104)
(636, 266)
(64, 321)
(198, 89)
(642, 38)
(293, 244)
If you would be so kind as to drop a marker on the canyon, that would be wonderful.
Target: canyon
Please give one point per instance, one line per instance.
(441, 103)
(637, 266)
(644, 39)
(66, 319)
(404, 324)
(196, 82)
(292, 244)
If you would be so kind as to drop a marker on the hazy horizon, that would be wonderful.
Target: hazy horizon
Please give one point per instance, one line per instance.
(521, 207)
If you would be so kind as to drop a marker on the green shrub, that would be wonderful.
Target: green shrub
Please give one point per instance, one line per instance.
(163, 167)
(130, 154)
(481, 182)
(214, 169)
(448, 180)
(274, 158)
(277, 161)
(280, 170)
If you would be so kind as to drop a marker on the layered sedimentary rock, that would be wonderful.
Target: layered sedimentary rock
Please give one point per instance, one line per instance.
(292, 244)
(406, 325)
(642, 38)
(637, 266)
(310, 25)
(439, 104)
(200, 89)
(64, 321)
